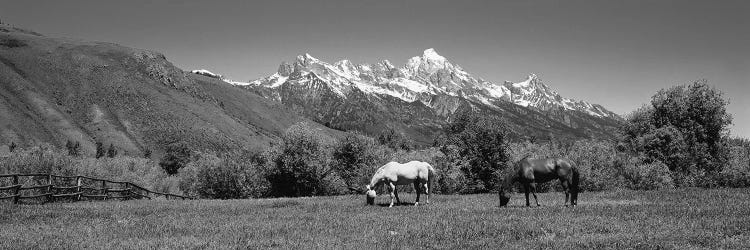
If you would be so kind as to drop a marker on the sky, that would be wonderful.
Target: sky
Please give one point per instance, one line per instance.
(614, 53)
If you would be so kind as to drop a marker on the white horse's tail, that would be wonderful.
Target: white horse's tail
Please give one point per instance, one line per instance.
(430, 175)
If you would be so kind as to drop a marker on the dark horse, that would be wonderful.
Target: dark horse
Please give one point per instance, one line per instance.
(529, 172)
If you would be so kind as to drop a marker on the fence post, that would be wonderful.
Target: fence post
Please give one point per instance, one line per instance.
(127, 191)
(104, 190)
(50, 197)
(18, 190)
(78, 188)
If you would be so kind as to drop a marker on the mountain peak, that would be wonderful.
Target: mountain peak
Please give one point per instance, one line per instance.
(387, 64)
(307, 58)
(432, 55)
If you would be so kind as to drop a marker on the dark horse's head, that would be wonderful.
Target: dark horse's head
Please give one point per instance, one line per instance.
(504, 200)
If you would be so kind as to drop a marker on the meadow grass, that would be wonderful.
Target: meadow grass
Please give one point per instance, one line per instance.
(683, 218)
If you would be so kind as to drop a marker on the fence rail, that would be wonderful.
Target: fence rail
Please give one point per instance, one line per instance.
(98, 189)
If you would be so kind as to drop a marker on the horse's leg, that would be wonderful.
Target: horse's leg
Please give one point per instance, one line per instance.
(533, 191)
(566, 190)
(393, 192)
(427, 193)
(416, 189)
(526, 189)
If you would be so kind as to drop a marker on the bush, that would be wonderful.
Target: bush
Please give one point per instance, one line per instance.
(47, 159)
(394, 140)
(737, 171)
(450, 176)
(648, 176)
(597, 162)
(355, 159)
(39, 159)
(177, 155)
(142, 172)
(481, 141)
(230, 177)
(301, 164)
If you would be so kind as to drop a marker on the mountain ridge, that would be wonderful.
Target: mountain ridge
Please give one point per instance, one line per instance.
(431, 80)
(430, 73)
(54, 90)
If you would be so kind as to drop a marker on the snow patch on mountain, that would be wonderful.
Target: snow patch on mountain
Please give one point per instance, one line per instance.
(205, 72)
(238, 83)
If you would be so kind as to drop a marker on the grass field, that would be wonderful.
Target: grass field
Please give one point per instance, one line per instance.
(685, 218)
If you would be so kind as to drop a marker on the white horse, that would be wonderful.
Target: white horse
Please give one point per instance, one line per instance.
(394, 173)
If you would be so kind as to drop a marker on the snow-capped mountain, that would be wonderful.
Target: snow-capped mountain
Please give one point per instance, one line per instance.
(422, 78)
(419, 97)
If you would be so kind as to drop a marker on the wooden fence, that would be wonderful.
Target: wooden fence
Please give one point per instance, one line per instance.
(45, 188)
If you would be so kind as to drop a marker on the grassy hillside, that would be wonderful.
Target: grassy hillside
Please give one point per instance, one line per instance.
(688, 218)
(53, 90)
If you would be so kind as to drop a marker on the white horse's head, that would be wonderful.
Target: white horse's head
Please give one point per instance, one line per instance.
(371, 194)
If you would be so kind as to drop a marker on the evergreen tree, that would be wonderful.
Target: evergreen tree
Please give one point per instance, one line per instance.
(111, 151)
(73, 148)
(69, 147)
(99, 150)
(177, 156)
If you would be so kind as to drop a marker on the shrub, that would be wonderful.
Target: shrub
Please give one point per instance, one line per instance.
(142, 172)
(481, 141)
(39, 159)
(230, 177)
(648, 176)
(47, 159)
(177, 155)
(394, 140)
(597, 162)
(99, 150)
(74, 149)
(450, 176)
(355, 159)
(111, 151)
(737, 171)
(12, 43)
(300, 165)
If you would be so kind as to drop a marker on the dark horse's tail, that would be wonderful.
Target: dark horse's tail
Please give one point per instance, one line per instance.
(574, 182)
